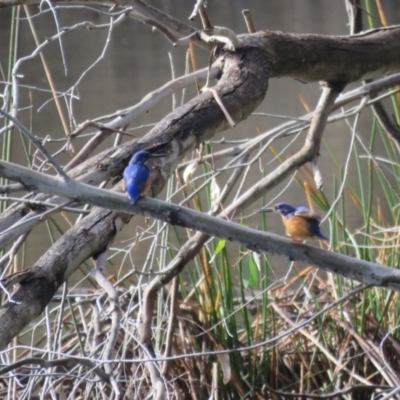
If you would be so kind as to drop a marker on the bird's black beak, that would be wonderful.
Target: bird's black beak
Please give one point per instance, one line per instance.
(267, 209)
(155, 155)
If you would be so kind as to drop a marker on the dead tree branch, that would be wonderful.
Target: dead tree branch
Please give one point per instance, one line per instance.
(241, 88)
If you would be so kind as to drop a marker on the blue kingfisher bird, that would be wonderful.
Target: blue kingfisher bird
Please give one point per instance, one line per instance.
(137, 175)
(300, 223)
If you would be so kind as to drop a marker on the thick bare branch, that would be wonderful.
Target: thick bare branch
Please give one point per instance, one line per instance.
(242, 87)
(53, 269)
(329, 58)
(364, 271)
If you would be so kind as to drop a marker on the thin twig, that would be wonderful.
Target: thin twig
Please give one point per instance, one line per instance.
(38, 144)
(63, 362)
(231, 122)
(171, 322)
(98, 274)
(195, 11)
(205, 19)
(148, 101)
(334, 395)
(249, 21)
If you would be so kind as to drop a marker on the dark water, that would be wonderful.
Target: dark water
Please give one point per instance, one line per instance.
(136, 62)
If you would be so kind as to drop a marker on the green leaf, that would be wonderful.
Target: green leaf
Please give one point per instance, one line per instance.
(220, 247)
(253, 272)
(257, 259)
(250, 272)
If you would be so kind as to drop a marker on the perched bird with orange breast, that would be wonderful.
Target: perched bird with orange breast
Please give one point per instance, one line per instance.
(137, 175)
(300, 223)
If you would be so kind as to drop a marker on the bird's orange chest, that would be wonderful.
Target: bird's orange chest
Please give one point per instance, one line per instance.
(296, 226)
(147, 186)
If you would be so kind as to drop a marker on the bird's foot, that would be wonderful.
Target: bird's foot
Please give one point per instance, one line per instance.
(298, 240)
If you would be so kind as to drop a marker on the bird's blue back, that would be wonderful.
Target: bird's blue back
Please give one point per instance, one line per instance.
(140, 157)
(136, 177)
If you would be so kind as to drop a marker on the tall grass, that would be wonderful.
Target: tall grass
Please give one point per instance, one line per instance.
(268, 313)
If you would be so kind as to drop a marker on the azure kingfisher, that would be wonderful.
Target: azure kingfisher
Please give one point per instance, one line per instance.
(300, 223)
(137, 175)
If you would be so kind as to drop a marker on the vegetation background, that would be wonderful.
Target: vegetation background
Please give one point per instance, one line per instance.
(292, 345)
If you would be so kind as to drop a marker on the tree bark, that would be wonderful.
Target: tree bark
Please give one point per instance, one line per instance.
(242, 87)
(311, 58)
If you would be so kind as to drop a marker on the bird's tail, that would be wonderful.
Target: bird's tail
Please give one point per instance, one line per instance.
(321, 236)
